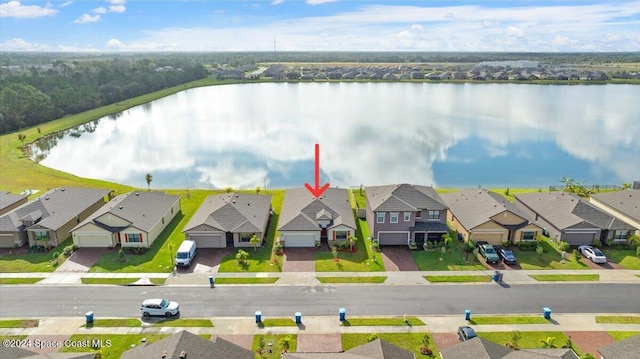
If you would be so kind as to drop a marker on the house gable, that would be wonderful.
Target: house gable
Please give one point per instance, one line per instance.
(508, 218)
(112, 220)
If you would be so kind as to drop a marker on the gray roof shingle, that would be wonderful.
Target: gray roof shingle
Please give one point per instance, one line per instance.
(626, 202)
(624, 349)
(377, 349)
(403, 197)
(142, 209)
(300, 208)
(56, 207)
(480, 348)
(233, 212)
(474, 207)
(7, 199)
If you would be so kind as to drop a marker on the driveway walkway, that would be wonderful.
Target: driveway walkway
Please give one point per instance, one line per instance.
(83, 259)
(398, 259)
(299, 260)
(589, 342)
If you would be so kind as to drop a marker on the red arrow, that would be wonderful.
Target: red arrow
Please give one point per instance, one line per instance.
(317, 191)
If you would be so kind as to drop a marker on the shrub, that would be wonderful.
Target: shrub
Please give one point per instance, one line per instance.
(539, 250)
(527, 245)
(597, 243)
(564, 246)
(242, 256)
(376, 246)
(638, 251)
(372, 337)
(576, 255)
(67, 250)
(55, 255)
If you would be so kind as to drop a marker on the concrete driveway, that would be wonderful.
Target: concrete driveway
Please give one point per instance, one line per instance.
(83, 259)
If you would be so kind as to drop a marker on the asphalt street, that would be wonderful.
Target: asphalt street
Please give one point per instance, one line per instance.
(232, 301)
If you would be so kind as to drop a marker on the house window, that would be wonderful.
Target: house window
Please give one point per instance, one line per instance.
(528, 235)
(41, 235)
(434, 214)
(134, 238)
(620, 235)
(379, 217)
(407, 216)
(393, 217)
(246, 237)
(418, 214)
(341, 235)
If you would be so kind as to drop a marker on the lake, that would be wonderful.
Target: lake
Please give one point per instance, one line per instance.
(443, 134)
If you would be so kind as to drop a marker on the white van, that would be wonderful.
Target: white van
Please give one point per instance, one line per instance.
(185, 254)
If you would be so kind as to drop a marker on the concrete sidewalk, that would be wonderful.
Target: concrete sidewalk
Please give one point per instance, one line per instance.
(309, 278)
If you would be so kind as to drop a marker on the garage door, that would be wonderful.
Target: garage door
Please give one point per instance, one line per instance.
(393, 239)
(6, 241)
(576, 239)
(214, 241)
(493, 238)
(92, 240)
(298, 240)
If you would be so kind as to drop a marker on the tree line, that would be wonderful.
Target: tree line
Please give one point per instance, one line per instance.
(41, 93)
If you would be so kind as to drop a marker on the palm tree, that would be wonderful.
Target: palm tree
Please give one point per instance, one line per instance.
(548, 343)
(148, 177)
(568, 183)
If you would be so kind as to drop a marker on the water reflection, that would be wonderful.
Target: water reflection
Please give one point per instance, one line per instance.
(370, 133)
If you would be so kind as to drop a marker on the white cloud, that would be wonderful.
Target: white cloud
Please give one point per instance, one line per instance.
(560, 40)
(277, 2)
(115, 44)
(318, 2)
(99, 10)
(514, 31)
(117, 8)
(417, 27)
(86, 18)
(18, 44)
(65, 4)
(116, 2)
(16, 9)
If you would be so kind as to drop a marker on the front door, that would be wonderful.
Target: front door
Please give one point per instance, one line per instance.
(323, 234)
(229, 239)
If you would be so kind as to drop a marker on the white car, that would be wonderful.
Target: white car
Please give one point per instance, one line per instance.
(593, 253)
(159, 307)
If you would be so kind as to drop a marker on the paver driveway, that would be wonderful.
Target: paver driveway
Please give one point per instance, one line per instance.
(398, 259)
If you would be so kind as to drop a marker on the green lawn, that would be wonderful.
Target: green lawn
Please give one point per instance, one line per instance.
(618, 319)
(550, 259)
(265, 280)
(19, 323)
(114, 323)
(274, 340)
(364, 260)
(182, 322)
(528, 339)
(261, 259)
(353, 322)
(454, 259)
(625, 257)
(32, 262)
(20, 280)
(457, 278)
(112, 345)
(119, 281)
(530, 319)
(408, 341)
(360, 197)
(278, 322)
(565, 277)
(621, 335)
(375, 279)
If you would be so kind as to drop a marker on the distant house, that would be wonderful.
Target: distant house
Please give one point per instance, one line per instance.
(306, 220)
(133, 219)
(482, 215)
(483, 348)
(571, 219)
(185, 345)
(9, 201)
(377, 349)
(229, 220)
(19, 353)
(624, 349)
(401, 213)
(624, 205)
(48, 219)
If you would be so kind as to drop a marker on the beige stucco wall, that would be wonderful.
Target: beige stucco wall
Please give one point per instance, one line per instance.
(508, 218)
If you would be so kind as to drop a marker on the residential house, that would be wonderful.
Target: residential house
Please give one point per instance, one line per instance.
(9, 201)
(483, 348)
(185, 345)
(482, 215)
(229, 220)
(306, 221)
(624, 205)
(569, 218)
(401, 213)
(48, 219)
(377, 349)
(624, 349)
(133, 219)
(8, 352)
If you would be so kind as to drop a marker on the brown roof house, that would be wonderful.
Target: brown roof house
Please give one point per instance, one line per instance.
(481, 348)
(9, 201)
(569, 218)
(482, 215)
(624, 205)
(133, 219)
(229, 220)
(185, 345)
(403, 213)
(377, 349)
(624, 349)
(306, 221)
(48, 219)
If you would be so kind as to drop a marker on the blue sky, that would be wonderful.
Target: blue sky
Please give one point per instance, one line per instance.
(319, 25)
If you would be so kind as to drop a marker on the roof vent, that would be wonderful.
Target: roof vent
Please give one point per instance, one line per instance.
(164, 354)
(237, 195)
(62, 189)
(234, 201)
(137, 193)
(121, 207)
(183, 354)
(46, 198)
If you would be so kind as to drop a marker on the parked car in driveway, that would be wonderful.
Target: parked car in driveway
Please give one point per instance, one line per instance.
(593, 253)
(507, 256)
(487, 251)
(466, 333)
(163, 307)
